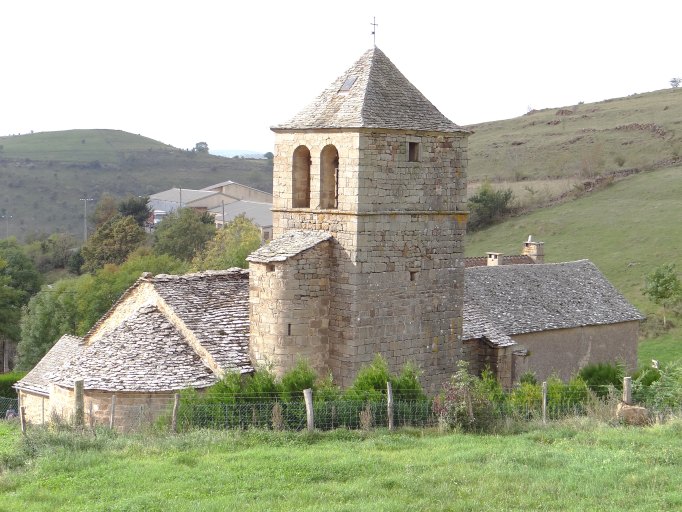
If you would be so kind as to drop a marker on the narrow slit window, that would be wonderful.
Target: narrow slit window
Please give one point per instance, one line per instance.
(288, 329)
(413, 151)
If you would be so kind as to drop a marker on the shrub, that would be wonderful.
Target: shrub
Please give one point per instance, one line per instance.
(370, 382)
(300, 377)
(406, 384)
(488, 206)
(7, 380)
(600, 376)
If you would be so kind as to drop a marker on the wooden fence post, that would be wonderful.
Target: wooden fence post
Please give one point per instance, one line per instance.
(627, 390)
(22, 419)
(308, 396)
(112, 412)
(389, 397)
(78, 406)
(544, 403)
(176, 406)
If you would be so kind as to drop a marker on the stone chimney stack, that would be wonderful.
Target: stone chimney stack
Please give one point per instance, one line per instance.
(536, 250)
(493, 259)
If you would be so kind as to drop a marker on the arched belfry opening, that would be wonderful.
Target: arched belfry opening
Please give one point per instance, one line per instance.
(329, 177)
(301, 178)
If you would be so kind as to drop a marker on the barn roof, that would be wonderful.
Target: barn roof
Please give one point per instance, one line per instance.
(372, 93)
(186, 332)
(66, 348)
(519, 299)
(144, 353)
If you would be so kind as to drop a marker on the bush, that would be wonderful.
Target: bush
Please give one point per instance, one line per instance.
(300, 377)
(488, 206)
(600, 376)
(370, 382)
(7, 380)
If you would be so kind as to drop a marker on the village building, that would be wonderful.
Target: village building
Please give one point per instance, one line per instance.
(223, 201)
(369, 214)
(165, 334)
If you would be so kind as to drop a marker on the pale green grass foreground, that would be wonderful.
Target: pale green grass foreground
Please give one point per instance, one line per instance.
(583, 466)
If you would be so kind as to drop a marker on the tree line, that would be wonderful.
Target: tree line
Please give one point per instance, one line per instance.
(51, 286)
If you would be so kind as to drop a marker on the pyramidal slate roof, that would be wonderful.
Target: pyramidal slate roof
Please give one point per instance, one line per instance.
(372, 93)
(520, 299)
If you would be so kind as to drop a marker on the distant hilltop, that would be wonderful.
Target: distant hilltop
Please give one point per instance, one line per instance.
(244, 153)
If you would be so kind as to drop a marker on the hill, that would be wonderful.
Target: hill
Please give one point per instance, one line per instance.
(627, 229)
(43, 175)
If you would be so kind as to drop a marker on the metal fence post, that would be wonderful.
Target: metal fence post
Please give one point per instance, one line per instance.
(544, 402)
(176, 406)
(389, 397)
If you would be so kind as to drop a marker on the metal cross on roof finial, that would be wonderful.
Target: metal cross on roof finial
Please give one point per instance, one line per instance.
(374, 30)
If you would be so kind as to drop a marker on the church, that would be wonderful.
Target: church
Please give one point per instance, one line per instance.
(369, 215)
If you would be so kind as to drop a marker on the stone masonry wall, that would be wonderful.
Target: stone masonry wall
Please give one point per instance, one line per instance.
(289, 310)
(397, 280)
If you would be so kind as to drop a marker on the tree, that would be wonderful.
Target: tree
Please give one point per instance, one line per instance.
(112, 243)
(269, 155)
(675, 82)
(201, 147)
(663, 287)
(136, 207)
(230, 247)
(105, 210)
(183, 233)
(488, 206)
(72, 306)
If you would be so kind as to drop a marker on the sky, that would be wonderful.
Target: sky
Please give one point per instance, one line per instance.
(224, 72)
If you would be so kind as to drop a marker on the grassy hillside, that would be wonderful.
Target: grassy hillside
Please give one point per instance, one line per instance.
(581, 140)
(626, 229)
(43, 175)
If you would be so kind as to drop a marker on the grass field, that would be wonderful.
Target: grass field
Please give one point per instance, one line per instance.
(626, 229)
(560, 467)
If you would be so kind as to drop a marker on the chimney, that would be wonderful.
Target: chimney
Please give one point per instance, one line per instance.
(535, 250)
(493, 259)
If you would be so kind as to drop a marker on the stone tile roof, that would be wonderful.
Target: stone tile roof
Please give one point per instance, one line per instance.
(66, 348)
(512, 259)
(379, 97)
(288, 245)
(477, 326)
(214, 306)
(144, 353)
(520, 299)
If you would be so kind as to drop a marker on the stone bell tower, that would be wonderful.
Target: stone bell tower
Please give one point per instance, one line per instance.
(369, 215)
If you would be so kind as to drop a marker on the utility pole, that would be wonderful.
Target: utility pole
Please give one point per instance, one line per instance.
(85, 217)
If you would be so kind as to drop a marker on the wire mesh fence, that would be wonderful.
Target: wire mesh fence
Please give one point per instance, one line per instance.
(467, 406)
(9, 408)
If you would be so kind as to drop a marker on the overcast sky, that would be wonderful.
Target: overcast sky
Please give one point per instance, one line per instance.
(223, 72)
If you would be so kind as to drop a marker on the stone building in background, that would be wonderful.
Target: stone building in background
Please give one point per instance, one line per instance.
(369, 212)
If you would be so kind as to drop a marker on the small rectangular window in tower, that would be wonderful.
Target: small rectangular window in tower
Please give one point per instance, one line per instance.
(288, 329)
(413, 151)
(269, 268)
(413, 275)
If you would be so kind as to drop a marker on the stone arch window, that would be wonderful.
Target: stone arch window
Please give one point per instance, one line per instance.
(301, 178)
(329, 177)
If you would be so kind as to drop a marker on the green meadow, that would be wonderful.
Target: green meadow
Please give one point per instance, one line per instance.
(571, 467)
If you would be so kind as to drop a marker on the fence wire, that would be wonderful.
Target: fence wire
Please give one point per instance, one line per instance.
(9, 407)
